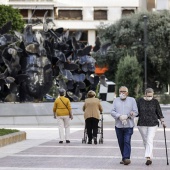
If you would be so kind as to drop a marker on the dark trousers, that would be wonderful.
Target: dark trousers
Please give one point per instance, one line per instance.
(92, 127)
(124, 140)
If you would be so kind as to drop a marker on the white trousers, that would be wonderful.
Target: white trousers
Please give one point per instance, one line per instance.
(148, 134)
(64, 125)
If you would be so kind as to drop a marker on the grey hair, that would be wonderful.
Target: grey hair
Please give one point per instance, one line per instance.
(91, 94)
(61, 92)
(149, 90)
(124, 87)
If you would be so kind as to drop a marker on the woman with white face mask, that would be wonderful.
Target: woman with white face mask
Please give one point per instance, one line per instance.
(149, 113)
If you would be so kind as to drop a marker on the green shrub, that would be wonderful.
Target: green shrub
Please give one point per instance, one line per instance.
(165, 99)
(128, 74)
(7, 131)
(8, 13)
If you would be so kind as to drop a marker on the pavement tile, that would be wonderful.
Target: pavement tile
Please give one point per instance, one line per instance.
(52, 155)
(41, 150)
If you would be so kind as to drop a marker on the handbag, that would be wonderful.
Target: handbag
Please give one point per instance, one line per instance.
(70, 114)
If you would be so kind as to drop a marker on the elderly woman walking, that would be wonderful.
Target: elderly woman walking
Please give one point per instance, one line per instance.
(63, 112)
(149, 113)
(92, 108)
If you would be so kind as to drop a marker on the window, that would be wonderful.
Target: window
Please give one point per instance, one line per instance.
(24, 13)
(84, 36)
(127, 11)
(40, 13)
(100, 14)
(70, 14)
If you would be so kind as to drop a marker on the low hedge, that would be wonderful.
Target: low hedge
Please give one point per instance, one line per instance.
(7, 131)
(165, 99)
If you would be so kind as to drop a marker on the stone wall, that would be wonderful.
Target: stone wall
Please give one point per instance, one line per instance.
(12, 138)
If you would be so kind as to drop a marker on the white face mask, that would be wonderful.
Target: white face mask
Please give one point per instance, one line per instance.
(122, 96)
(149, 98)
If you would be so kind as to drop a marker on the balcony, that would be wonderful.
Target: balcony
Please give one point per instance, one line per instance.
(33, 4)
(35, 21)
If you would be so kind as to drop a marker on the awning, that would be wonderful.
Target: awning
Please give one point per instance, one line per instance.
(63, 8)
(39, 7)
(128, 8)
(100, 8)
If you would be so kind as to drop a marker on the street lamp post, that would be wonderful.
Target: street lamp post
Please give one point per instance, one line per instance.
(145, 46)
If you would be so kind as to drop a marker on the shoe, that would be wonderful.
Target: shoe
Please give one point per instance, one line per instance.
(148, 162)
(90, 142)
(126, 161)
(121, 162)
(60, 141)
(95, 140)
(67, 141)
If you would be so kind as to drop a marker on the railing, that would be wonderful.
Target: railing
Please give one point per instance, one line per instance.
(35, 21)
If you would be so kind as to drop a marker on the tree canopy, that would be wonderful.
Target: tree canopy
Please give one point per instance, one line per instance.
(128, 75)
(127, 37)
(10, 14)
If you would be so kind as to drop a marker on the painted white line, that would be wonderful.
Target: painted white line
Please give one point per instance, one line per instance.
(18, 168)
(82, 156)
(115, 140)
(72, 128)
(95, 147)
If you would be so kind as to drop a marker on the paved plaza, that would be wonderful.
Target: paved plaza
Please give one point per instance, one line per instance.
(41, 150)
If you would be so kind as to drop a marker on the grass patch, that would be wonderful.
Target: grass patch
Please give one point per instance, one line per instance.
(7, 131)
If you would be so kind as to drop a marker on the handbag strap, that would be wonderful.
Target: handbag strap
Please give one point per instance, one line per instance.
(64, 103)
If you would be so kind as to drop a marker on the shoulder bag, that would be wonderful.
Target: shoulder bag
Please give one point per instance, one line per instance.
(70, 114)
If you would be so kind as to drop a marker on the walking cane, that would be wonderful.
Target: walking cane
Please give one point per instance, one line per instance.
(166, 147)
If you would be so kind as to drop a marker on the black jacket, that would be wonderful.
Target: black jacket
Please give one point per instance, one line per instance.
(149, 112)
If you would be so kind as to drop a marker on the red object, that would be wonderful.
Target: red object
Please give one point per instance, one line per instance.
(100, 70)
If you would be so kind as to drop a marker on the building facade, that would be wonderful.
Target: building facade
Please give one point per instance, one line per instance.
(85, 15)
